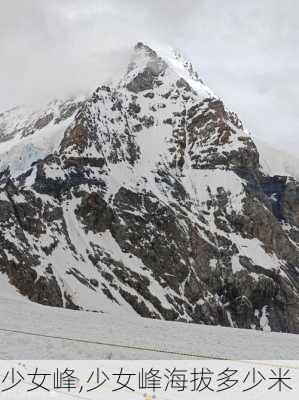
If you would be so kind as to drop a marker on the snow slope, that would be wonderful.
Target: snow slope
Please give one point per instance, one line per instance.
(199, 341)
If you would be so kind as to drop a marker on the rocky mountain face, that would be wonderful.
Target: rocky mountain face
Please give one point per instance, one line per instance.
(152, 202)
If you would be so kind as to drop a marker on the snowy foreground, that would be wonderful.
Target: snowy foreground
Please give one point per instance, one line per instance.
(29, 331)
(115, 336)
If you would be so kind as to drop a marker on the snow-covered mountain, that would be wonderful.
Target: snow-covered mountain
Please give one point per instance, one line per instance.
(148, 197)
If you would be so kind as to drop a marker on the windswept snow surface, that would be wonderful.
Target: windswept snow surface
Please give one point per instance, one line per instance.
(188, 340)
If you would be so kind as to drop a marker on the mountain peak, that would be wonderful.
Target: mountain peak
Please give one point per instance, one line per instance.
(155, 63)
(145, 58)
(140, 46)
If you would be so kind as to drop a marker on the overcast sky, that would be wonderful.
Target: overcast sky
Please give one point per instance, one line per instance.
(247, 52)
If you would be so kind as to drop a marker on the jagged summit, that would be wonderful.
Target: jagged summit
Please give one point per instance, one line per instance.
(165, 53)
(149, 66)
(144, 50)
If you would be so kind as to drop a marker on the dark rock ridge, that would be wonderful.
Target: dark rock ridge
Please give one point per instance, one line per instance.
(154, 202)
